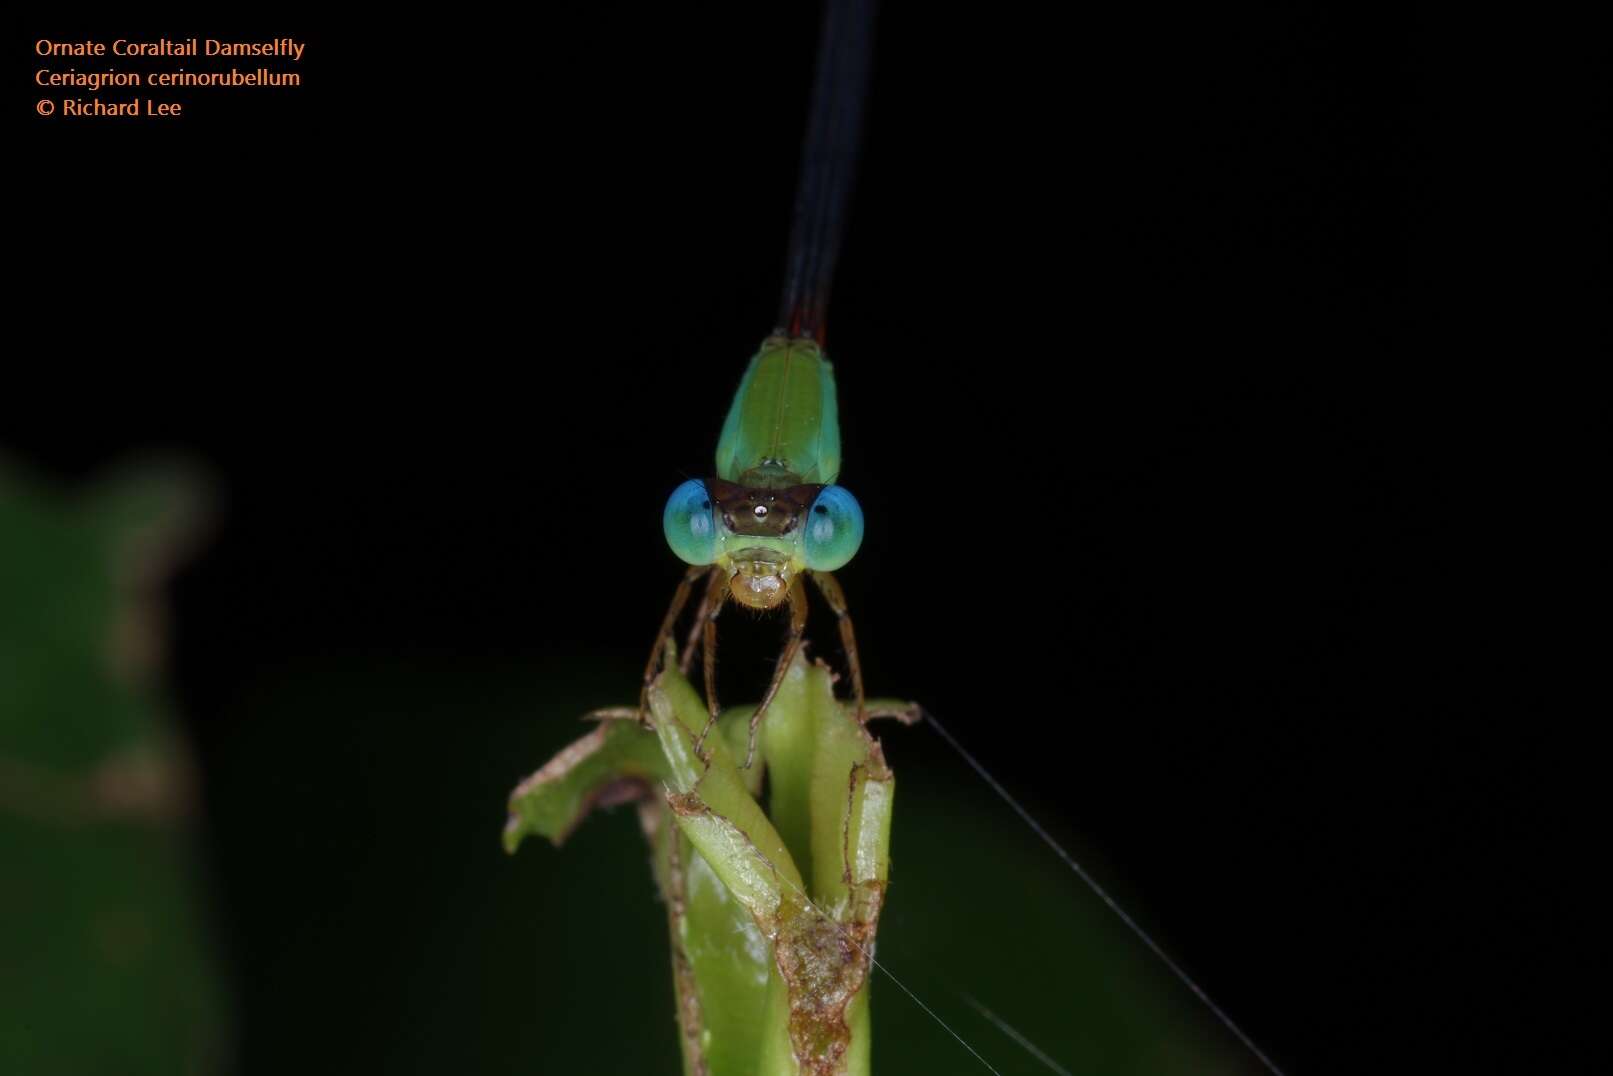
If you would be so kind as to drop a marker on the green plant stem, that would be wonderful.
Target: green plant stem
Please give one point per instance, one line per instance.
(772, 913)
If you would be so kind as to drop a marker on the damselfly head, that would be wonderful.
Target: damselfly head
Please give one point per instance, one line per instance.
(763, 536)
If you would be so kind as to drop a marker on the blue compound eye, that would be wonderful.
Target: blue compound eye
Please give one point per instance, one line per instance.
(690, 529)
(834, 529)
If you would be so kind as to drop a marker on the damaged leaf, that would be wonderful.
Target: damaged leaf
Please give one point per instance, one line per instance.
(617, 762)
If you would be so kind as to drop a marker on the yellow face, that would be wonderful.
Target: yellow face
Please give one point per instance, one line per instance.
(760, 577)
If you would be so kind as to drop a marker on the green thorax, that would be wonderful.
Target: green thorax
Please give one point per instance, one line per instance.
(783, 428)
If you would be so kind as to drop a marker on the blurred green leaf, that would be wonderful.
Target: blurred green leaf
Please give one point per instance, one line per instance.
(106, 966)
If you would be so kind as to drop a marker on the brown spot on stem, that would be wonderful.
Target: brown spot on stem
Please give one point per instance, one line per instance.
(824, 964)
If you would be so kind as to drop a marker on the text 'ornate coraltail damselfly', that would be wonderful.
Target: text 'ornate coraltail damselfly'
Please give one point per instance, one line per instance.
(773, 514)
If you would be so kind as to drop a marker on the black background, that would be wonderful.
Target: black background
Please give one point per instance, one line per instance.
(1159, 499)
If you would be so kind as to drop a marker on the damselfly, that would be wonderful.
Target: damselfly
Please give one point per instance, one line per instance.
(773, 514)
